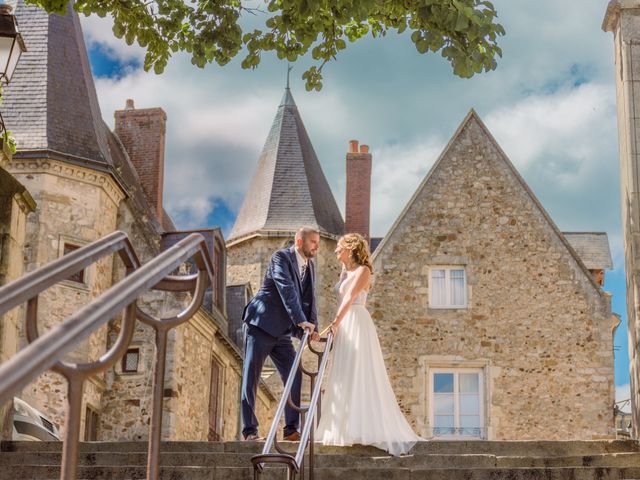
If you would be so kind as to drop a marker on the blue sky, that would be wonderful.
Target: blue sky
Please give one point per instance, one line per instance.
(550, 105)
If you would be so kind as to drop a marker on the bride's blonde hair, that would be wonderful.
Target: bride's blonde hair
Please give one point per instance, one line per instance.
(359, 249)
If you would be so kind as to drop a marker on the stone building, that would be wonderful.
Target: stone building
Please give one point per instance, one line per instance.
(491, 324)
(479, 299)
(88, 181)
(622, 18)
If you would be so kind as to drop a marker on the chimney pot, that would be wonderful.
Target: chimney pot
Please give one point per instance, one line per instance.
(129, 105)
(353, 146)
(364, 148)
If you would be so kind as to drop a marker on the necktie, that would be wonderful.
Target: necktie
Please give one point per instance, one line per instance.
(304, 272)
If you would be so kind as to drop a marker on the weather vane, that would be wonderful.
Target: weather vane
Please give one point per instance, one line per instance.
(289, 68)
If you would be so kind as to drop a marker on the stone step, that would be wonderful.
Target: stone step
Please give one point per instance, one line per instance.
(244, 473)
(503, 448)
(433, 461)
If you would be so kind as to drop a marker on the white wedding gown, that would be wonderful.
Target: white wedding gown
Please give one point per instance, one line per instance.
(359, 406)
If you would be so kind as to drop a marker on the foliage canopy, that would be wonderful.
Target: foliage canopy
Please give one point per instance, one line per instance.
(464, 31)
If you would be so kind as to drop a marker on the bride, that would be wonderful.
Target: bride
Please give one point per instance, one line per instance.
(359, 405)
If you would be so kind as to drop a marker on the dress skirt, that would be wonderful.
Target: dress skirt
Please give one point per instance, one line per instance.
(359, 405)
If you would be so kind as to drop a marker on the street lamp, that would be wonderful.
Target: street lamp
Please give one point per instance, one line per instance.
(11, 43)
(11, 47)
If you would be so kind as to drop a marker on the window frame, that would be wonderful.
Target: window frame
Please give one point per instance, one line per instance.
(70, 247)
(123, 364)
(456, 401)
(64, 242)
(448, 290)
(91, 424)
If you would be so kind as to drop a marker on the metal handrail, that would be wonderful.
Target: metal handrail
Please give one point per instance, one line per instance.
(47, 351)
(295, 463)
(285, 395)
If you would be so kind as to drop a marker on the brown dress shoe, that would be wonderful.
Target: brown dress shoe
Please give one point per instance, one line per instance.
(292, 437)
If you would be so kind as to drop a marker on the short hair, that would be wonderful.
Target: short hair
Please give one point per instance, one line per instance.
(304, 232)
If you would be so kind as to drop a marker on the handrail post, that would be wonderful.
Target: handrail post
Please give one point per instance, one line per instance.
(296, 464)
(155, 435)
(68, 469)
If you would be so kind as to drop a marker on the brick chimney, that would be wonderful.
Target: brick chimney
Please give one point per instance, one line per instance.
(358, 202)
(142, 132)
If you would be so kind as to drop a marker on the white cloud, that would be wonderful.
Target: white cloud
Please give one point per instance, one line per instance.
(566, 125)
(99, 32)
(397, 172)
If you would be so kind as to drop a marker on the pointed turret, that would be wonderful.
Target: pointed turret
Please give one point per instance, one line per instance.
(289, 188)
(51, 103)
(52, 108)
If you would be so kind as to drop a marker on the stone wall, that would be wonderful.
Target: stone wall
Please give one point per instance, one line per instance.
(15, 204)
(198, 344)
(75, 206)
(536, 324)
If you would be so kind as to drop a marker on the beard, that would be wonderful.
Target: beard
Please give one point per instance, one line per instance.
(307, 252)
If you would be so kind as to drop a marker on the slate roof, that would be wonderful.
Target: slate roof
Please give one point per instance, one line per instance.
(592, 248)
(52, 108)
(51, 103)
(288, 189)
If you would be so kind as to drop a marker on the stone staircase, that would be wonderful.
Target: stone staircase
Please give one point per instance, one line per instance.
(436, 460)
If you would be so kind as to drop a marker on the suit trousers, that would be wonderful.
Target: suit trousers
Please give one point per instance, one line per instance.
(258, 346)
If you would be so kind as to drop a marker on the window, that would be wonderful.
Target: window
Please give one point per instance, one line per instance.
(131, 360)
(214, 402)
(456, 403)
(219, 277)
(447, 288)
(79, 276)
(91, 420)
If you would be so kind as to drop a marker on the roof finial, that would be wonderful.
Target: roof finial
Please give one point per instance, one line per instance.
(289, 68)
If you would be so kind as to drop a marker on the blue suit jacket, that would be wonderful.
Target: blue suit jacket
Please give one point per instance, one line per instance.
(282, 301)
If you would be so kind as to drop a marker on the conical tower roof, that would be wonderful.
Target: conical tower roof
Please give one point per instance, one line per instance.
(51, 103)
(289, 188)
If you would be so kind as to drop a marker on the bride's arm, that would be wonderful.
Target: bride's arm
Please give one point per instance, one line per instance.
(363, 276)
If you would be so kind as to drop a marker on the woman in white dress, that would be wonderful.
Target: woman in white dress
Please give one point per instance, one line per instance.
(359, 406)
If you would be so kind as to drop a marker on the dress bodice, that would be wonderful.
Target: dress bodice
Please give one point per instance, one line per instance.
(344, 285)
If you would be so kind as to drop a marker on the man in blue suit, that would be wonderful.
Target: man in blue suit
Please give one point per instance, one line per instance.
(285, 305)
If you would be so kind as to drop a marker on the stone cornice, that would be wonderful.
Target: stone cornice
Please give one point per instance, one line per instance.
(26, 202)
(612, 15)
(68, 171)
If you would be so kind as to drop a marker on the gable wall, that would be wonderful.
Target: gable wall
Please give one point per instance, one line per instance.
(536, 324)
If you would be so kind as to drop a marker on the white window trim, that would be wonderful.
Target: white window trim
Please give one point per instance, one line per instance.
(430, 397)
(447, 269)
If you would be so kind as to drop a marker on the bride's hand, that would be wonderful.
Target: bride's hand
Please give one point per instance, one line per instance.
(334, 329)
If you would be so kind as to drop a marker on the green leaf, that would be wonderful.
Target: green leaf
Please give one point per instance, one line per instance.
(422, 46)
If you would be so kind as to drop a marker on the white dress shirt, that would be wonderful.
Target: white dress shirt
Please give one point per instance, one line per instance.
(301, 261)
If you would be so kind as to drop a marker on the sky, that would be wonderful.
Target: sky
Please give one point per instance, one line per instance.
(550, 104)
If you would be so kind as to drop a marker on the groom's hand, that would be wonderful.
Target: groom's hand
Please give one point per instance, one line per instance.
(307, 327)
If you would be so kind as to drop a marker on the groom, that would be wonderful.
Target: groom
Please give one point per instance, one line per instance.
(284, 305)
